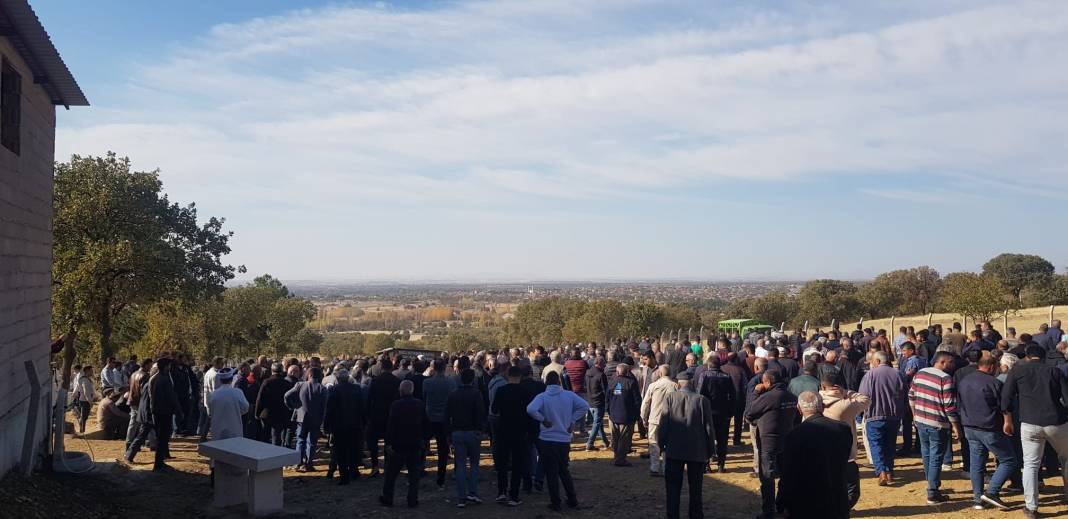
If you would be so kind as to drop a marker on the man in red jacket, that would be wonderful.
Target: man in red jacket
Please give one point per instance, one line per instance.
(575, 369)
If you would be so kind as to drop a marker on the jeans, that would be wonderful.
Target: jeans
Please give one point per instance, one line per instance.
(307, 439)
(554, 458)
(413, 461)
(980, 442)
(597, 428)
(133, 428)
(1034, 444)
(673, 481)
(933, 444)
(882, 435)
(203, 421)
(466, 445)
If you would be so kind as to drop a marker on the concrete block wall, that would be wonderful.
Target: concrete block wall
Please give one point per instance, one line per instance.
(25, 264)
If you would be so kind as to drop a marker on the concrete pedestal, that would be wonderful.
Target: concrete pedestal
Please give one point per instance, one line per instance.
(231, 485)
(265, 492)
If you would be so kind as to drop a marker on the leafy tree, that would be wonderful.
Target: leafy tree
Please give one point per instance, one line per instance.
(681, 316)
(542, 320)
(642, 318)
(1053, 293)
(1019, 271)
(976, 296)
(307, 341)
(900, 292)
(119, 242)
(822, 300)
(774, 308)
(285, 320)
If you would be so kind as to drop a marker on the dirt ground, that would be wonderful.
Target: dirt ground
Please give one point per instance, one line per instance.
(114, 490)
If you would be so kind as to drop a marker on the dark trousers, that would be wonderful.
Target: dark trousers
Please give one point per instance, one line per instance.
(347, 453)
(738, 424)
(909, 440)
(554, 460)
(721, 424)
(673, 480)
(373, 435)
(852, 480)
(622, 437)
(164, 426)
(511, 458)
(413, 461)
(441, 441)
(192, 417)
(140, 437)
(278, 432)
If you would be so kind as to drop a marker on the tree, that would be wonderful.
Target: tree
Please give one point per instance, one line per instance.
(307, 341)
(823, 300)
(642, 318)
(119, 242)
(900, 292)
(678, 316)
(285, 320)
(1019, 271)
(976, 296)
(774, 308)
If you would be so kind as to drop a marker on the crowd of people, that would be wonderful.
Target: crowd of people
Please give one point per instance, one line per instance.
(801, 398)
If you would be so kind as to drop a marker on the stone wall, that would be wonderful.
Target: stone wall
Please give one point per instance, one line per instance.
(25, 264)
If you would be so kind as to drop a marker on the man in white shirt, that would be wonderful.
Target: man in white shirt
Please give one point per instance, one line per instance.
(210, 384)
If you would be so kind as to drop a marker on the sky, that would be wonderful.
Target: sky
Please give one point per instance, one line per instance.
(588, 139)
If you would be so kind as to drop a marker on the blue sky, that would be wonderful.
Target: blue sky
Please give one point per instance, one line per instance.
(582, 139)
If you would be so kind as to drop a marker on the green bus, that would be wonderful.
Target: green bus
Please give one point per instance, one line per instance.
(744, 326)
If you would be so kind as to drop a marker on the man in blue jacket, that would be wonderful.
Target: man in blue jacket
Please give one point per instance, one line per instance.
(624, 408)
(557, 410)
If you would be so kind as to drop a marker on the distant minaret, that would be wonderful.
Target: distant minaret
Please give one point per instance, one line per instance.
(531, 290)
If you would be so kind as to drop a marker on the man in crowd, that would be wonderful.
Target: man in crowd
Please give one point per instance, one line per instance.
(575, 370)
(270, 404)
(138, 387)
(814, 460)
(908, 365)
(685, 433)
(984, 426)
(436, 390)
(1036, 393)
(515, 433)
(556, 409)
(312, 396)
(717, 388)
(596, 386)
(773, 411)
(886, 391)
(165, 408)
(844, 405)
(624, 408)
(465, 418)
(739, 373)
(344, 421)
(406, 426)
(381, 394)
(933, 398)
(652, 409)
(207, 386)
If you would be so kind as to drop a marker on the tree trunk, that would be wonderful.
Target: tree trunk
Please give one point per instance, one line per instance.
(68, 356)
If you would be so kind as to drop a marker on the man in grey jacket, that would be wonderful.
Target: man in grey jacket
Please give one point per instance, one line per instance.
(436, 390)
(686, 436)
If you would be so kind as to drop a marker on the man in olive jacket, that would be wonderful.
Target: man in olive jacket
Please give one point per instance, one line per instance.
(686, 436)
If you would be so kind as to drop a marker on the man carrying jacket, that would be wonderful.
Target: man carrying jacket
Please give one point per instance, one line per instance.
(624, 407)
(773, 411)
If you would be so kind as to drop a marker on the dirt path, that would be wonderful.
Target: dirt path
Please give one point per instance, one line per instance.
(604, 491)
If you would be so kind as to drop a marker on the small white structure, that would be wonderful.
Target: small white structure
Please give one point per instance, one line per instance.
(248, 471)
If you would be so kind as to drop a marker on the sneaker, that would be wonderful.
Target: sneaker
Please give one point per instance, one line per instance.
(461, 504)
(502, 498)
(474, 499)
(936, 499)
(514, 502)
(591, 448)
(978, 506)
(994, 500)
(947, 467)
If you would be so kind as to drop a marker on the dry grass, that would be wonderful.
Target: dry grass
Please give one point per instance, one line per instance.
(1025, 320)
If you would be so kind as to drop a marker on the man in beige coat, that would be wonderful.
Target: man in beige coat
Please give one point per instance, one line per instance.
(843, 405)
(652, 408)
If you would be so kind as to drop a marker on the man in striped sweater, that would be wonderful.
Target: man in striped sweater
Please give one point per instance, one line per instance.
(933, 399)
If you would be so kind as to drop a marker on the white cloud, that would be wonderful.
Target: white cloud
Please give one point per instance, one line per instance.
(482, 104)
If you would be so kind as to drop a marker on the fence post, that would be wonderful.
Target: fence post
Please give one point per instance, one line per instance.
(806, 326)
(929, 317)
(1006, 321)
(782, 326)
(1051, 315)
(834, 320)
(893, 333)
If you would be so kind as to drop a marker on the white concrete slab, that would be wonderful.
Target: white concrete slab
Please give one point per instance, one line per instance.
(231, 485)
(249, 454)
(265, 492)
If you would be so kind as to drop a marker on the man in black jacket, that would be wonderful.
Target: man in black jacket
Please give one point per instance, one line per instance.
(716, 386)
(405, 429)
(516, 434)
(465, 418)
(624, 408)
(165, 407)
(344, 421)
(684, 433)
(772, 411)
(739, 373)
(814, 459)
(271, 406)
(596, 385)
(382, 392)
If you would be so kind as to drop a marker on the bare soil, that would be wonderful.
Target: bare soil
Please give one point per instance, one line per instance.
(114, 490)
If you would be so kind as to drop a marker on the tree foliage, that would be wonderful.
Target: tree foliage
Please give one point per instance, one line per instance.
(642, 318)
(823, 300)
(119, 242)
(975, 296)
(901, 292)
(774, 308)
(1019, 271)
